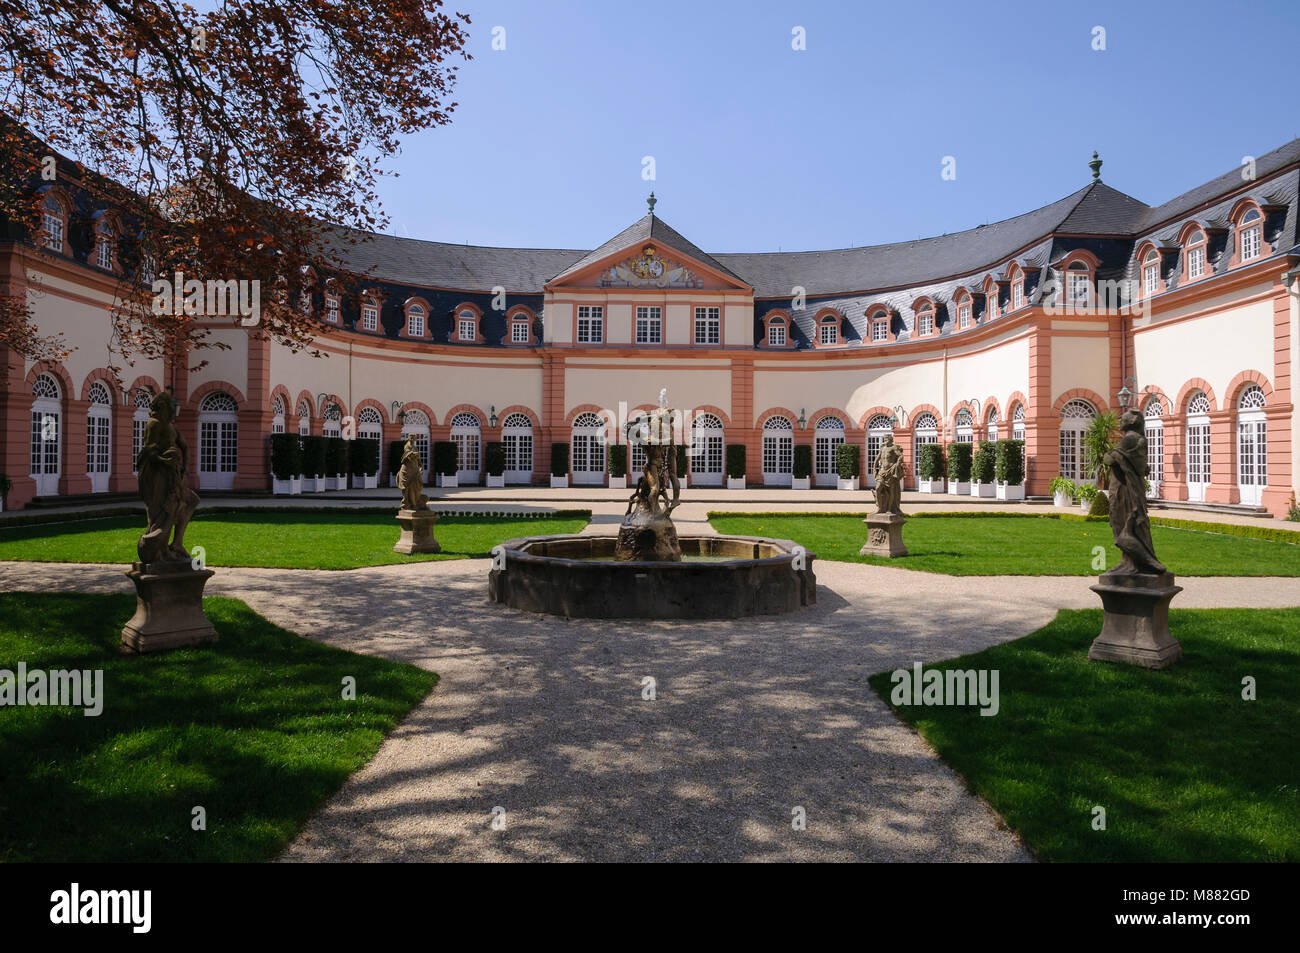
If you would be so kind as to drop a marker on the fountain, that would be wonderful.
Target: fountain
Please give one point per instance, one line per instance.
(647, 571)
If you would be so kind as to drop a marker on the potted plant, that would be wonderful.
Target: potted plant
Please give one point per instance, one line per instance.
(959, 463)
(559, 465)
(286, 464)
(616, 460)
(336, 463)
(1009, 469)
(313, 463)
(846, 465)
(803, 461)
(395, 450)
(981, 470)
(929, 466)
(683, 467)
(1087, 493)
(444, 462)
(365, 464)
(494, 462)
(1153, 488)
(6, 485)
(735, 466)
(1063, 491)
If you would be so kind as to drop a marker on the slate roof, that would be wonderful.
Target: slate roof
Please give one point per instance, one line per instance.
(649, 228)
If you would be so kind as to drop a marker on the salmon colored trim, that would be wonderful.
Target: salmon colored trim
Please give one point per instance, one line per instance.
(1098, 402)
(875, 312)
(775, 412)
(690, 319)
(58, 371)
(835, 412)
(1020, 398)
(1239, 210)
(952, 418)
(403, 333)
(865, 419)
(423, 408)
(144, 380)
(584, 409)
(990, 403)
(512, 317)
(207, 387)
(289, 407)
(820, 318)
(715, 410)
(467, 409)
(593, 269)
(311, 405)
(534, 417)
(370, 402)
(1240, 383)
(454, 337)
(1188, 389)
(108, 377)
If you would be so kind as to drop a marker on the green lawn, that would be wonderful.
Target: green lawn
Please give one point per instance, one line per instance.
(253, 729)
(1018, 546)
(286, 540)
(1185, 769)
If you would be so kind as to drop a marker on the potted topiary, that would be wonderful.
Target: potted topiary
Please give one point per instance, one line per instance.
(981, 470)
(336, 463)
(616, 460)
(494, 462)
(559, 465)
(735, 466)
(959, 463)
(313, 463)
(929, 467)
(803, 461)
(6, 485)
(1087, 493)
(683, 467)
(444, 463)
(1063, 491)
(365, 463)
(395, 451)
(1009, 469)
(286, 464)
(846, 465)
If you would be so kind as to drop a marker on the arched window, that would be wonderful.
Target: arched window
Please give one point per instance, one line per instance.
(333, 417)
(963, 311)
(370, 315)
(877, 427)
(1075, 418)
(778, 451)
(992, 308)
(99, 436)
(706, 450)
(830, 434)
(1018, 422)
(332, 302)
(416, 423)
(47, 424)
(991, 423)
(277, 415)
(965, 426)
(370, 424)
(54, 219)
(415, 315)
(925, 318)
(466, 326)
(1151, 273)
(104, 243)
(1154, 431)
(304, 418)
(517, 441)
(521, 326)
(218, 441)
(1249, 233)
(1017, 288)
(828, 330)
(1194, 255)
(1198, 446)
(924, 430)
(879, 326)
(1078, 285)
(776, 332)
(587, 458)
(1252, 445)
(139, 420)
(466, 434)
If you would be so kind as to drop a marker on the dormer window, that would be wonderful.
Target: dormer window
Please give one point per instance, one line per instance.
(828, 332)
(991, 301)
(518, 332)
(1195, 252)
(519, 319)
(1078, 284)
(415, 316)
(304, 302)
(1017, 290)
(331, 304)
(963, 315)
(776, 332)
(53, 223)
(1151, 273)
(879, 327)
(369, 316)
(924, 319)
(465, 326)
(1248, 241)
(104, 245)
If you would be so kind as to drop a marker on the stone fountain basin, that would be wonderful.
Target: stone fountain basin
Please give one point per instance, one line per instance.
(578, 577)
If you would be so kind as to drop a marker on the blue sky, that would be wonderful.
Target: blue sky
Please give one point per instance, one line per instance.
(759, 147)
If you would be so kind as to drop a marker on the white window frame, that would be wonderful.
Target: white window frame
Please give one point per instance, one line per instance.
(369, 317)
(776, 333)
(415, 321)
(649, 324)
(591, 324)
(708, 325)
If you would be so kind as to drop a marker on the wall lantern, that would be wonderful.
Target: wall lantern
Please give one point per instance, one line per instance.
(398, 414)
(492, 416)
(1126, 392)
(900, 416)
(803, 420)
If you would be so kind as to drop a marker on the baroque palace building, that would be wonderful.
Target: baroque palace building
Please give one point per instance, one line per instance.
(1023, 328)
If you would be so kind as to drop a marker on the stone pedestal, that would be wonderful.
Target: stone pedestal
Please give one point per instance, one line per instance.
(417, 532)
(169, 608)
(1136, 627)
(647, 537)
(884, 535)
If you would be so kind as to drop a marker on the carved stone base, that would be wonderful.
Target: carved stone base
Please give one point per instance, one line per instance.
(417, 532)
(647, 537)
(884, 535)
(169, 608)
(1136, 626)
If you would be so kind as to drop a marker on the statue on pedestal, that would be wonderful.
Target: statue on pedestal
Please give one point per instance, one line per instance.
(889, 477)
(1127, 465)
(647, 532)
(163, 468)
(410, 477)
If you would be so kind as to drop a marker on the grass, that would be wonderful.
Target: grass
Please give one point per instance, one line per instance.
(1185, 769)
(1011, 546)
(253, 729)
(280, 540)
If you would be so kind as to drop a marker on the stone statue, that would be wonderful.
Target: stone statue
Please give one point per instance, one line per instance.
(163, 468)
(647, 531)
(410, 477)
(1127, 465)
(889, 477)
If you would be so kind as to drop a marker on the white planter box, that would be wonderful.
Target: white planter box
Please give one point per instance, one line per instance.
(930, 486)
(961, 489)
(1155, 490)
(618, 483)
(1062, 499)
(984, 490)
(290, 487)
(1084, 505)
(684, 481)
(735, 483)
(559, 482)
(336, 482)
(800, 483)
(392, 479)
(362, 482)
(842, 484)
(1008, 492)
(496, 480)
(313, 484)
(444, 480)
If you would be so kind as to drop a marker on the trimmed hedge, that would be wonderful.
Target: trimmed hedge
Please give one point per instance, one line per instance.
(313, 456)
(959, 462)
(365, 457)
(1010, 462)
(736, 460)
(616, 459)
(286, 455)
(444, 458)
(930, 461)
(803, 461)
(395, 455)
(336, 456)
(847, 460)
(559, 459)
(683, 463)
(983, 463)
(494, 458)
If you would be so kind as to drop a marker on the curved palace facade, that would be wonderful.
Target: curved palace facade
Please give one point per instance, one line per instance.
(1022, 328)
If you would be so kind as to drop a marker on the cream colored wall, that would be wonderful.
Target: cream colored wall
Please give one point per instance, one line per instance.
(678, 329)
(557, 327)
(1216, 347)
(229, 366)
(738, 324)
(1079, 362)
(689, 385)
(997, 372)
(618, 323)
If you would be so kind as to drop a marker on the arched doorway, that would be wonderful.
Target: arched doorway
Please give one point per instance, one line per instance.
(304, 418)
(1198, 446)
(706, 441)
(218, 441)
(965, 429)
(992, 424)
(467, 435)
(47, 433)
(415, 423)
(1252, 445)
(99, 437)
(877, 427)
(1075, 418)
(587, 458)
(778, 451)
(140, 419)
(829, 436)
(925, 430)
(333, 421)
(1018, 422)
(277, 420)
(1154, 431)
(517, 442)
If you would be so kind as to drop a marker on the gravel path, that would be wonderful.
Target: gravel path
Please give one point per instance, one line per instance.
(545, 717)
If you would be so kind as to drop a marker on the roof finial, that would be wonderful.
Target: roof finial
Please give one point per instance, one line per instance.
(651, 202)
(1095, 166)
